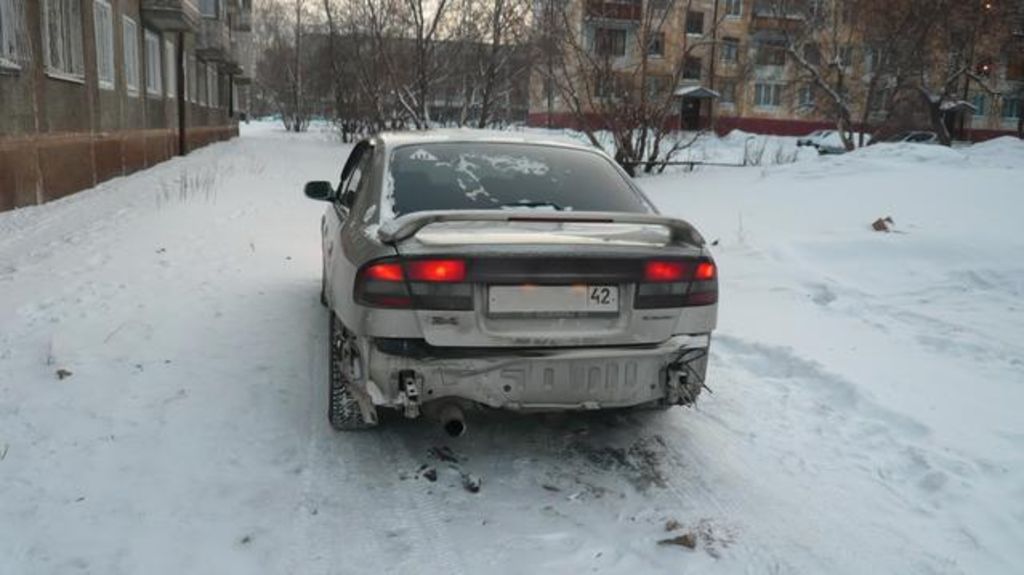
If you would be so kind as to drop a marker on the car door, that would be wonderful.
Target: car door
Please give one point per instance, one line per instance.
(337, 218)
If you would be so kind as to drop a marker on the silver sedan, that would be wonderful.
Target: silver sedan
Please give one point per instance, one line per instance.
(466, 270)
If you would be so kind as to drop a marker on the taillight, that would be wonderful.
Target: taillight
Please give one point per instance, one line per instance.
(437, 270)
(705, 271)
(664, 271)
(385, 272)
(382, 284)
(677, 283)
(419, 284)
(704, 287)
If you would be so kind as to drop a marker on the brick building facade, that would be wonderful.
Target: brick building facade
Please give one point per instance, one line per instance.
(736, 74)
(93, 89)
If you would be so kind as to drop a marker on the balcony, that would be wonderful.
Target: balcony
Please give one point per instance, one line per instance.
(171, 15)
(241, 48)
(628, 10)
(768, 15)
(213, 42)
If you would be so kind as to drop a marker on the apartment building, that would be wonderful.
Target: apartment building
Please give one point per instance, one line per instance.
(93, 89)
(735, 71)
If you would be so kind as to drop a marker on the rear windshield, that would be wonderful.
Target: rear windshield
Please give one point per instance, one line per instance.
(482, 176)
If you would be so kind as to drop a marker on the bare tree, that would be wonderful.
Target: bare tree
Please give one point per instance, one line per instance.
(963, 37)
(507, 29)
(281, 79)
(400, 63)
(626, 88)
(892, 34)
(818, 37)
(424, 19)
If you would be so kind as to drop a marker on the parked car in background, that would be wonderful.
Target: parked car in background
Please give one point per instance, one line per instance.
(815, 138)
(913, 137)
(465, 270)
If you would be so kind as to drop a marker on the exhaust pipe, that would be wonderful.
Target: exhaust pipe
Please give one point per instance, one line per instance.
(452, 420)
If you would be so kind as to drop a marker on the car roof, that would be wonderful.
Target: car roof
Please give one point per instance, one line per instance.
(394, 139)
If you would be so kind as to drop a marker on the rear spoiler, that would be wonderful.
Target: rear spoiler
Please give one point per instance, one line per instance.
(406, 226)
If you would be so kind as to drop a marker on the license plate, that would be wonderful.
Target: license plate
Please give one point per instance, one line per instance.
(553, 300)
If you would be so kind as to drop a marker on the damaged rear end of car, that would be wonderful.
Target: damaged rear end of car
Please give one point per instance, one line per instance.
(536, 307)
(552, 312)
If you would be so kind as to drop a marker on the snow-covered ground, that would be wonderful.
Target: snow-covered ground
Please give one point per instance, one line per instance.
(865, 415)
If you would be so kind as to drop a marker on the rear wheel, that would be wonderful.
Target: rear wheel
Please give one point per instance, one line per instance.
(343, 408)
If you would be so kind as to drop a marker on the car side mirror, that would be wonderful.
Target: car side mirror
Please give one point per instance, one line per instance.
(319, 190)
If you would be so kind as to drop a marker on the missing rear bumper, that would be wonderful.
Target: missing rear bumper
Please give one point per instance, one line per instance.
(540, 379)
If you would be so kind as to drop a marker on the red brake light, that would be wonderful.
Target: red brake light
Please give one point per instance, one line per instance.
(662, 271)
(705, 271)
(447, 271)
(385, 272)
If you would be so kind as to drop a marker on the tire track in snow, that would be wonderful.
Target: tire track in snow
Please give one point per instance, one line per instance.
(686, 483)
(317, 544)
(352, 476)
(872, 444)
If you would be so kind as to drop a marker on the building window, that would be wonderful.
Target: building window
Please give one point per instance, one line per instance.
(871, 60)
(979, 102)
(727, 92)
(814, 8)
(62, 38)
(771, 55)
(1015, 66)
(103, 21)
(767, 95)
(1011, 107)
(130, 33)
(209, 8)
(878, 101)
(730, 50)
(201, 90)
(845, 56)
(10, 18)
(602, 87)
(812, 54)
(805, 97)
(694, 22)
(691, 68)
(610, 42)
(656, 44)
(733, 8)
(154, 65)
(191, 65)
(657, 86)
(213, 97)
(169, 72)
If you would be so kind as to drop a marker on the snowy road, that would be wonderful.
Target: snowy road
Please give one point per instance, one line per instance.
(865, 415)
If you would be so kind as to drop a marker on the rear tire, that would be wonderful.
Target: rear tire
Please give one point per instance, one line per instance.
(343, 409)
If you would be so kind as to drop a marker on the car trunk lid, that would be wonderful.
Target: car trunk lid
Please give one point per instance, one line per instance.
(546, 280)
